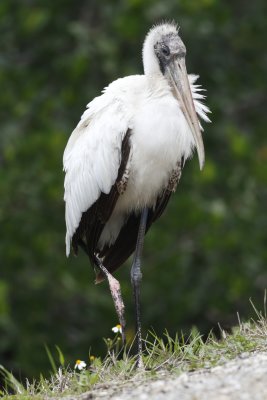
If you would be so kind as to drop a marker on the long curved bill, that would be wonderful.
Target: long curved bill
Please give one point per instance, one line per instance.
(178, 78)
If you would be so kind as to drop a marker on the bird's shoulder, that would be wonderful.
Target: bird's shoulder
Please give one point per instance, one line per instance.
(115, 99)
(128, 83)
(110, 112)
(128, 91)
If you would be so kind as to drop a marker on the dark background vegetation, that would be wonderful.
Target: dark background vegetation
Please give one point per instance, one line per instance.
(207, 255)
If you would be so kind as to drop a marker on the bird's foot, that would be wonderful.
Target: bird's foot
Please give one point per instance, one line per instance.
(139, 363)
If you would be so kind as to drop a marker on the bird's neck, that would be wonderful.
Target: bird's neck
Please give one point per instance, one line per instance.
(157, 84)
(150, 61)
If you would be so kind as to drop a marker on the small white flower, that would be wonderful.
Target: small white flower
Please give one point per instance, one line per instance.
(80, 365)
(117, 329)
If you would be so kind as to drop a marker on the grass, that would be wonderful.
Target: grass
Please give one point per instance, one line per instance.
(162, 357)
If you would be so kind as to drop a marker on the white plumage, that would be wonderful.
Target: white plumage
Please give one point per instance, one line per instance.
(124, 160)
(160, 137)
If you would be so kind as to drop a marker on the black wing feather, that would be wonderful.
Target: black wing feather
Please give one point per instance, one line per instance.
(115, 255)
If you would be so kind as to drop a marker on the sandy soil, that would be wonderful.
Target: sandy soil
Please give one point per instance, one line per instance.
(244, 378)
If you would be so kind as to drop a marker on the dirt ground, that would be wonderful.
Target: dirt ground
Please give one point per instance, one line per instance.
(244, 378)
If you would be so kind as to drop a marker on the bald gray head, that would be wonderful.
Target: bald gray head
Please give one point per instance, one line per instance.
(161, 45)
(169, 47)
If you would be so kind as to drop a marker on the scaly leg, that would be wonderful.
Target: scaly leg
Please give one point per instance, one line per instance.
(136, 277)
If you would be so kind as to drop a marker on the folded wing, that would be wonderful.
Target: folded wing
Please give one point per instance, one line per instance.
(92, 158)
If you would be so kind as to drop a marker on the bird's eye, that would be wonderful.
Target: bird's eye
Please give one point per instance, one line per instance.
(165, 51)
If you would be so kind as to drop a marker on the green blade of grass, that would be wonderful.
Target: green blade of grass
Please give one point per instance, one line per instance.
(51, 359)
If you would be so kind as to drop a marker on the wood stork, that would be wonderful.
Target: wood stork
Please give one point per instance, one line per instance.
(124, 160)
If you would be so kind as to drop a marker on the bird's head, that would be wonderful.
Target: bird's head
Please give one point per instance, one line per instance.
(164, 53)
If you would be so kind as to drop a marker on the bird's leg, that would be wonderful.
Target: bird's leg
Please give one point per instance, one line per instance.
(136, 277)
(115, 290)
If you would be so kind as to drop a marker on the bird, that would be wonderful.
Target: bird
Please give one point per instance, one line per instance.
(124, 160)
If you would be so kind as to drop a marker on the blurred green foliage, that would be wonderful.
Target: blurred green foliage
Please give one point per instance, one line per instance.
(207, 255)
